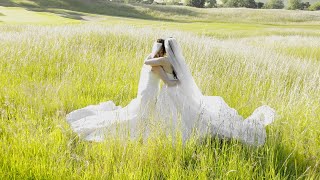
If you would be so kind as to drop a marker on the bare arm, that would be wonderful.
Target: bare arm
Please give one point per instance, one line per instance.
(163, 76)
(156, 61)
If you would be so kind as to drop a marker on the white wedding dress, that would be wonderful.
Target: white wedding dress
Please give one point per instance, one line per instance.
(94, 122)
(180, 108)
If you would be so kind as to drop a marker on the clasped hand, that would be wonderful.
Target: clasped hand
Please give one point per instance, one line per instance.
(158, 67)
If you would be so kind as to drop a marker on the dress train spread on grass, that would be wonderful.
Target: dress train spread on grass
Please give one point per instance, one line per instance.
(182, 107)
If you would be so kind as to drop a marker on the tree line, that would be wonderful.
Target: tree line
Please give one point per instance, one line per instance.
(270, 4)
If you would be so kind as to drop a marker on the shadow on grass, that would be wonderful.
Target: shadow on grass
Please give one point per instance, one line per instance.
(71, 15)
(99, 7)
(62, 13)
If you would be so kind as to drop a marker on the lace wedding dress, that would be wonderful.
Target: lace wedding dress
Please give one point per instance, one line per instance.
(179, 108)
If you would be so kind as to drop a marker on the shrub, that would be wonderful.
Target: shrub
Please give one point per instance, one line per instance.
(274, 4)
(211, 3)
(240, 3)
(197, 3)
(250, 4)
(294, 4)
(305, 5)
(315, 6)
(260, 5)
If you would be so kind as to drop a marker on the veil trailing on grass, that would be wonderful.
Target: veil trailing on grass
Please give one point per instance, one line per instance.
(183, 103)
(208, 114)
(186, 81)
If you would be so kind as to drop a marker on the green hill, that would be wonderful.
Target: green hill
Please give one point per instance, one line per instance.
(165, 13)
(216, 22)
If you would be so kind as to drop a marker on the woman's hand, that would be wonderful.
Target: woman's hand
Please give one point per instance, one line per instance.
(163, 76)
(156, 69)
(156, 61)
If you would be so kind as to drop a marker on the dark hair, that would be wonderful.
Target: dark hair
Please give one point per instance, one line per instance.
(164, 50)
(162, 42)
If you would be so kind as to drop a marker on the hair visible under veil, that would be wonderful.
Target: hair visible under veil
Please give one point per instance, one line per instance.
(186, 81)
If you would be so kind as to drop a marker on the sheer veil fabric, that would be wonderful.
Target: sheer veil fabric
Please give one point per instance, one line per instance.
(210, 114)
(179, 108)
(96, 122)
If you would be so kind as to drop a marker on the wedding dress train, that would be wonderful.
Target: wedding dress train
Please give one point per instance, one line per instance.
(212, 115)
(205, 115)
(94, 122)
(182, 107)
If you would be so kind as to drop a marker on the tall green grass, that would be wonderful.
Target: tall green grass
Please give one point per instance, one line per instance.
(46, 72)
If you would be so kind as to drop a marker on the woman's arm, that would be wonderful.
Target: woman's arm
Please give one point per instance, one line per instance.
(156, 61)
(164, 77)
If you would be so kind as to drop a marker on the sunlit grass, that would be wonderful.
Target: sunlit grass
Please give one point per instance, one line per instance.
(312, 53)
(46, 72)
(249, 57)
(219, 23)
(305, 48)
(23, 16)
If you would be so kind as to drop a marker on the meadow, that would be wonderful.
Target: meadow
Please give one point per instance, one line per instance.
(54, 60)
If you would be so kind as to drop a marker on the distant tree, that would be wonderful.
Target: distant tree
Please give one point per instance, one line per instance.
(211, 3)
(250, 4)
(305, 5)
(197, 3)
(294, 4)
(232, 3)
(240, 3)
(260, 5)
(315, 7)
(274, 4)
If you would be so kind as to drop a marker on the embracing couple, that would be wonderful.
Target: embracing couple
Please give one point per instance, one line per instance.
(177, 105)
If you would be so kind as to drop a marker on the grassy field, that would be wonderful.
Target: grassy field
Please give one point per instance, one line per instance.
(55, 59)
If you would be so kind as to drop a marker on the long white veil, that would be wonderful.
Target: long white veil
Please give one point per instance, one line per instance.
(185, 102)
(203, 112)
(186, 81)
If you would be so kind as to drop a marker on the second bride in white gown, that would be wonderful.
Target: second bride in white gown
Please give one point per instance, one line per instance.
(179, 103)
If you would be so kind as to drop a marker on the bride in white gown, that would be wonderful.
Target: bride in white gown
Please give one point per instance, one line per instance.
(95, 122)
(180, 104)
